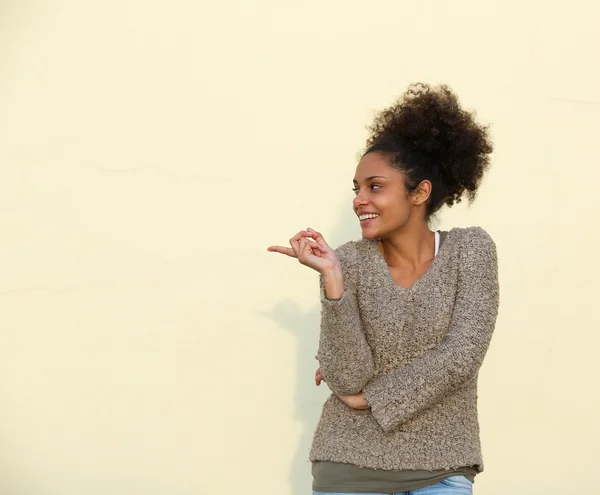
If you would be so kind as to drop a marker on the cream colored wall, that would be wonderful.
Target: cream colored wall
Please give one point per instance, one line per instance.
(151, 151)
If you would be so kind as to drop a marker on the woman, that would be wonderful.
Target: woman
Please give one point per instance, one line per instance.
(407, 313)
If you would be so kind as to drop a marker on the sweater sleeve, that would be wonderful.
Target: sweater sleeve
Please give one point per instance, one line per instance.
(345, 357)
(397, 396)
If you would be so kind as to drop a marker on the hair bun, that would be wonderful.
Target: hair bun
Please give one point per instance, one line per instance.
(430, 135)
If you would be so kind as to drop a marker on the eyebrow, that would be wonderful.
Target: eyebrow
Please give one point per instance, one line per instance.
(371, 178)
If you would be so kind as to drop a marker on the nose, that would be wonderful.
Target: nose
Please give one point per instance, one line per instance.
(359, 200)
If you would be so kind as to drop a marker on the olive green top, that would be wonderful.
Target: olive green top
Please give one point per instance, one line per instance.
(346, 478)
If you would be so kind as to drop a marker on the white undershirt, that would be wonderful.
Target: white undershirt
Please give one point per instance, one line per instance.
(437, 242)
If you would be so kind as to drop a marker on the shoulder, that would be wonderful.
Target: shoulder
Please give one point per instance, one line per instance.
(471, 238)
(474, 243)
(347, 254)
(354, 253)
(346, 250)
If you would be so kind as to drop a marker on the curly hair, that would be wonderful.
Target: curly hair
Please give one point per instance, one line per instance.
(428, 136)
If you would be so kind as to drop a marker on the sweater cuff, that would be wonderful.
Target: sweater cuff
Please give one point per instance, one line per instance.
(327, 300)
(384, 410)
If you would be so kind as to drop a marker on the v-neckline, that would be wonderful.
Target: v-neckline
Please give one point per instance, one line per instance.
(426, 274)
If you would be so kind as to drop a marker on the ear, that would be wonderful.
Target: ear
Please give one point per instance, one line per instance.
(422, 192)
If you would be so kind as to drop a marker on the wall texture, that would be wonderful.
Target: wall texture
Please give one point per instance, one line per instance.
(151, 151)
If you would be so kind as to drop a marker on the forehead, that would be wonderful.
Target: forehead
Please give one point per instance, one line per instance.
(375, 164)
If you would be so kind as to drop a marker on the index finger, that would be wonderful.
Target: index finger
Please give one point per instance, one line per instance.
(283, 250)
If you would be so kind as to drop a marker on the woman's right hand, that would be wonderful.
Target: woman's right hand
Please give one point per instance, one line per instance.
(310, 249)
(318, 375)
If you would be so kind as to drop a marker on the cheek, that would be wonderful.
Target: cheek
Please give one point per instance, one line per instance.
(397, 206)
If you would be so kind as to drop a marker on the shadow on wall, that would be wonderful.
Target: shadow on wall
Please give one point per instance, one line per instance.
(304, 325)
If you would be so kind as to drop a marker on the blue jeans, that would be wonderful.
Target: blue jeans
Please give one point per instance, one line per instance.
(454, 485)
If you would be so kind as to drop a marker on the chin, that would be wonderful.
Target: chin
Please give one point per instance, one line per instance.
(369, 234)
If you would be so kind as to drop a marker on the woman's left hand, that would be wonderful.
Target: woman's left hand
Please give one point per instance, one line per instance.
(356, 401)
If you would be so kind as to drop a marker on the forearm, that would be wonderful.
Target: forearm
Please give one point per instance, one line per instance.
(345, 357)
(333, 283)
(397, 396)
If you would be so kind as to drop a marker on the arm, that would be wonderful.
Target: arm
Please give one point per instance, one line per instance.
(344, 355)
(397, 396)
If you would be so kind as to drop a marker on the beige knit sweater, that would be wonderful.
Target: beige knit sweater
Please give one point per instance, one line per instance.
(415, 352)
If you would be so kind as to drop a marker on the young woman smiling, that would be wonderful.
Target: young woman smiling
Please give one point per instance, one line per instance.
(407, 313)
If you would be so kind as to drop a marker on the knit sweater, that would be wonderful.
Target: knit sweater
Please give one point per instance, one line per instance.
(414, 352)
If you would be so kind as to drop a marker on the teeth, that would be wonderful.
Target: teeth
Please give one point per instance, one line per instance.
(370, 215)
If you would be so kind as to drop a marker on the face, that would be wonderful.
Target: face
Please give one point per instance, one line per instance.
(382, 202)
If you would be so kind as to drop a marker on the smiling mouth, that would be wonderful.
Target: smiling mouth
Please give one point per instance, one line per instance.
(368, 216)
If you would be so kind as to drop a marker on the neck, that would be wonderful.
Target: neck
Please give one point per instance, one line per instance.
(412, 246)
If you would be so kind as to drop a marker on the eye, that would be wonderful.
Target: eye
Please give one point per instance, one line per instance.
(372, 187)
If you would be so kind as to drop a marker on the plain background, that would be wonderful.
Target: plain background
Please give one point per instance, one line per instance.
(151, 151)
